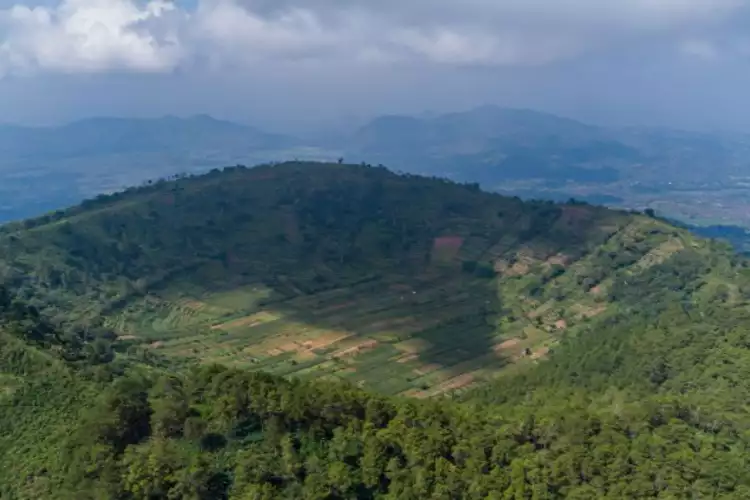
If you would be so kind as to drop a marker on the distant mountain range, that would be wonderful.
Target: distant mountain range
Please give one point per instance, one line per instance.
(111, 136)
(515, 151)
(47, 168)
(490, 144)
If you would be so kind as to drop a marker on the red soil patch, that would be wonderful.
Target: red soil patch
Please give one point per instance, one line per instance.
(561, 324)
(406, 358)
(126, 337)
(540, 353)
(455, 383)
(446, 248)
(520, 268)
(337, 307)
(424, 370)
(325, 340)
(574, 215)
(596, 290)
(194, 304)
(290, 347)
(448, 242)
(249, 321)
(305, 355)
(510, 343)
(156, 345)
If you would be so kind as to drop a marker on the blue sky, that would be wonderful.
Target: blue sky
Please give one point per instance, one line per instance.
(297, 63)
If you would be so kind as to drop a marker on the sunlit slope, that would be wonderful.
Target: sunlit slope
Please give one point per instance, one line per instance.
(401, 284)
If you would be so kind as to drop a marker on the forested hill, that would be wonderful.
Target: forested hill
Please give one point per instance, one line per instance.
(548, 351)
(400, 284)
(342, 271)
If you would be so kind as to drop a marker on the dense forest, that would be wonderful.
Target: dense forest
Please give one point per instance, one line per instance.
(613, 346)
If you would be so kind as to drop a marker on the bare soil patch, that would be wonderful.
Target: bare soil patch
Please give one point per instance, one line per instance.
(247, 321)
(336, 307)
(508, 344)
(540, 353)
(325, 339)
(354, 350)
(413, 346)
(559, 260)
(406, 358)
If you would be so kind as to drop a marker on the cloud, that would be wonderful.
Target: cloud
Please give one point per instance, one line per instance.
(87, 36)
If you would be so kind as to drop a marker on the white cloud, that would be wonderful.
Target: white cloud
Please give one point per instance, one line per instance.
(156, 36)
(88, 36)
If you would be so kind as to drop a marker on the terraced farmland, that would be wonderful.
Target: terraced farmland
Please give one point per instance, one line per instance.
(400, 284)
(442, 330)
(422, 336)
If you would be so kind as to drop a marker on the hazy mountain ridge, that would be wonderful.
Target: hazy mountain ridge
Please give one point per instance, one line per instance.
(45, 168)
(504, 143)
(700, 178)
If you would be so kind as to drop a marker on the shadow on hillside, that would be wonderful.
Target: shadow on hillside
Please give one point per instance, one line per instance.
(405, 326)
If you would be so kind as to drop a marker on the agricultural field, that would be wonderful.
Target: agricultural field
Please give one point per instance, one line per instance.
(397, 284)
(440, 331)
(425, 336)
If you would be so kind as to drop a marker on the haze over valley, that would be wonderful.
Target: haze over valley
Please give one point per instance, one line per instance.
(698, 178)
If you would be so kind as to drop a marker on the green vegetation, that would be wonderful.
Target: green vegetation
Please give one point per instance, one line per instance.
(307, 280)
(403, 285)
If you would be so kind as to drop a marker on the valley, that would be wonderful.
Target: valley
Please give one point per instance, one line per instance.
(698, 178)
(314, 330)
(464, 288)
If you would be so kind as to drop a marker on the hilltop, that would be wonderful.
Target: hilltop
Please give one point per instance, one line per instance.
(548, 350)
(401, 284)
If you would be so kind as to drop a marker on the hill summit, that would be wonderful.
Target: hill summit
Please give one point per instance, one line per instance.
(401, 284)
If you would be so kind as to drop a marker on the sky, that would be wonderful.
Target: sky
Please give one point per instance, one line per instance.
(301, 64)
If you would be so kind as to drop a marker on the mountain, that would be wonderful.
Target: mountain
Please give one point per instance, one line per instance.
(697, 177)
(500, 144)
(47, 168)
(331, 270)
(105, 136)
(386, 336)
(355, 260)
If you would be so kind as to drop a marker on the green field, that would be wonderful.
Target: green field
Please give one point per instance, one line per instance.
(402, 285)
(426, 334)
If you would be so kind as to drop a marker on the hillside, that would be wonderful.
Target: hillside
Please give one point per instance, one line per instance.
(402, 285)
(590, 353)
